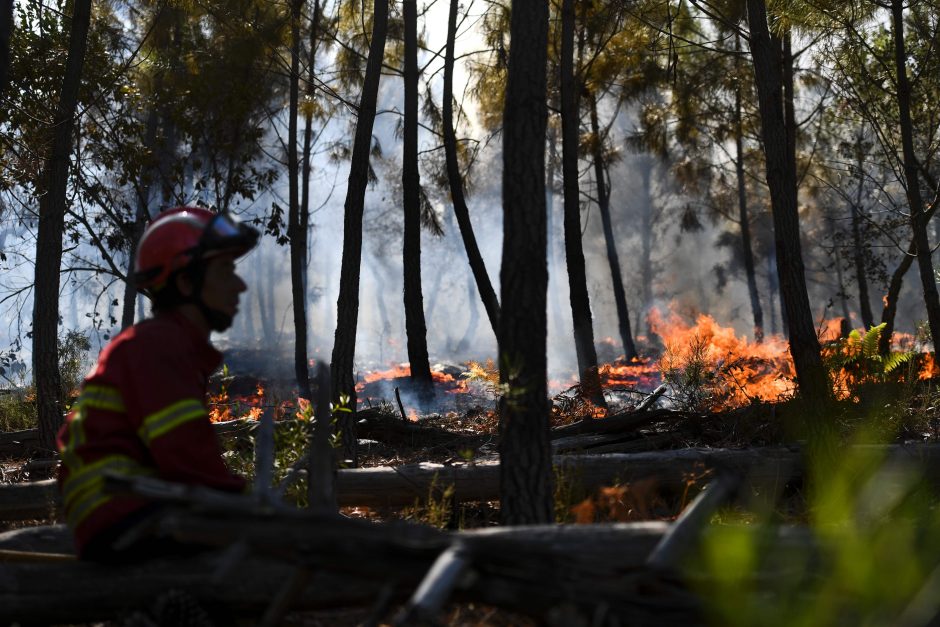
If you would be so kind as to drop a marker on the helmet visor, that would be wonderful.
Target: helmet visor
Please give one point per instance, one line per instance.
(224, 233)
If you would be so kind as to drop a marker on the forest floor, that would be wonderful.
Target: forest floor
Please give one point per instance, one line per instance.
(462, 426)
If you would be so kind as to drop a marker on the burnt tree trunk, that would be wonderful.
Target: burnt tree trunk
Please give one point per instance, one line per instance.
(779, 138)
(415, 326)
(6, 33)
(744, 221)
(911, 177)
(347, 305)
(574, 247)
(296, 230)
(455, 180)
(52, 201)
(525, 454)
(613, 259)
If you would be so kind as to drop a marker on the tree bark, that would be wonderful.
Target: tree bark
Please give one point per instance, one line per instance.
(308, 138)
(744, 221)
(574, 246)
(6, 32)
(858, 252)
(455, 180)
(911, 177)
(52, 207)
(140, 219)
(347, 305)
(646, 241)
(767, 55)
(526, 470)
(296, 230)
(613, 259)
(415, 325)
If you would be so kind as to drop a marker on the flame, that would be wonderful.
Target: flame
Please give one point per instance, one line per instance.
(443, 381)
(223, 407)
(929, 368)
(744, 371)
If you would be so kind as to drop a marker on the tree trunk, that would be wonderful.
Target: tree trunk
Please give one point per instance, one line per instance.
(767, 55)
(296, 230)
(6, 32)
(911, 177)
(415, 326)
(526, 468)
(646, 241)
(461, 212)
(743, 218)
(574, 247)
(554, 302)
(858, 253)
(140, 221)
(613, 259)
(49, 237)
(347, 305)
(308, 139)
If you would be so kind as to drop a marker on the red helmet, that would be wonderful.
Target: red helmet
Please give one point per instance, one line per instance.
(180, 236)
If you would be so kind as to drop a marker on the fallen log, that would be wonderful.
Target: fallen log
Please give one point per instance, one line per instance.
(767, 468)
(353, 562)
(625, 422)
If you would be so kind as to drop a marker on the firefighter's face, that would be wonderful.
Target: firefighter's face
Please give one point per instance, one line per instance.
(222, 286)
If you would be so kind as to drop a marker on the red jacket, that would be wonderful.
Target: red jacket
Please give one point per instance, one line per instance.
(142, 411)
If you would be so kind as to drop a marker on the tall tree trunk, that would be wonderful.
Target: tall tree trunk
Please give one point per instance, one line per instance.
(858, 250)
(574, 247)
(296, 229)
(455, 180)
(554, 302)
(6, 32)
(265, 312)
(911, 177)
(347, 305)
(613, 259)
(767, 55)
(840, 277)
(140, 220)
(308, 138)
(743, 218)
(415, 326)
(49, 237)
(473, 321)
(646, 241)
(524, 451)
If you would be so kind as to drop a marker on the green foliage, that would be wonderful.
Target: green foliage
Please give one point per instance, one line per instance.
(856, 360)
(691, 376)
(73, 359)
(872, 559)
(437, 510)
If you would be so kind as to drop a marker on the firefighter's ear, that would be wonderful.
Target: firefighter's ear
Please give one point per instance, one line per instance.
(184, 284)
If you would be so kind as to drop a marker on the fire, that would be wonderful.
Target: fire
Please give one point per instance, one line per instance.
(741, 371)
(443, 382)
(929, 368)
(223, 408)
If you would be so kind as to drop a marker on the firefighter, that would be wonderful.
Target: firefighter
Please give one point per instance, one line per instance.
(142, 410)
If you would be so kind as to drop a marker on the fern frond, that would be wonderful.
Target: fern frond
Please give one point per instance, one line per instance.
(870, 342)
(892, 361)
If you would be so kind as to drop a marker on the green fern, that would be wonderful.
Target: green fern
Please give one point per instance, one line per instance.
(858, 353)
